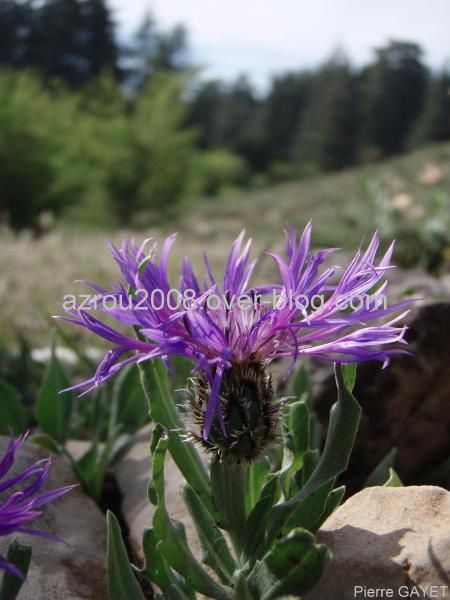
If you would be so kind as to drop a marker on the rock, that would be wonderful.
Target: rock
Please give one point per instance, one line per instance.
(384, 538)
(133, 476)
(430, 174)
(415, 283)
(57, 571)
(402, 201)
(405, 405)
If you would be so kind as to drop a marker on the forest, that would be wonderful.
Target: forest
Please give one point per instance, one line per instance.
(99, 130)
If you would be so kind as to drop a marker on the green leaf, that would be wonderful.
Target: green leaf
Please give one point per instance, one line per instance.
(183, 370)
(45, 441)
(292, 567)
(216, 553)
(394, 480)
(381, 472)
(175, 593)
(128, 401)
(349, 373)
(53, 410)
(92, 466)
(156, 568)
(241, 588)
(255, 526)
(13, 413)
(121, 580)
(310, 462)
(310, 511)
(172, 534)
(333, 501)
(164, 411)
(302, 385)
(257, 473)
(20, 556)
(296, 441)
(343, 425)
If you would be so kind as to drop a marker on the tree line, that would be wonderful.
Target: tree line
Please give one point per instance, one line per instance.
(90, 126)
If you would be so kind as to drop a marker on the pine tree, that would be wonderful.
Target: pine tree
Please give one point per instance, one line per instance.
(326, 135)
(282, 110)
(434, 123)
(394, 89)
(72, 40)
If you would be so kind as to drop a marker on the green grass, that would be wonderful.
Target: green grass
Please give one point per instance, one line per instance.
(36, 273)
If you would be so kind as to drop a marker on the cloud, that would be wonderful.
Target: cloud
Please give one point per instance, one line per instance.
(260, 37)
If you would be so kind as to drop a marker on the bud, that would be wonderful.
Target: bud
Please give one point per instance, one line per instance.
(250, 413)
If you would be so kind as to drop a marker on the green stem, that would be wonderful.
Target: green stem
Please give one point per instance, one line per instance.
(229, 482)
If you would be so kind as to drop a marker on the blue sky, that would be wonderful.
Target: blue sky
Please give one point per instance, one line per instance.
(263, 37)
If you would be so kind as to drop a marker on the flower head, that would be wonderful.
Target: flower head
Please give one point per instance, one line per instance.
(21, 497)
(228, 328)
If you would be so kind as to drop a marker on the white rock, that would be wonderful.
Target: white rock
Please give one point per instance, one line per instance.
(133, 475)
(57, 571)
(388, 538)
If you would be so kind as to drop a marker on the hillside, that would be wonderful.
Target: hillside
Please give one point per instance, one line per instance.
(344, 207)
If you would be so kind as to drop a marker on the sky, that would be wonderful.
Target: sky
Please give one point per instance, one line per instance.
(264, 37)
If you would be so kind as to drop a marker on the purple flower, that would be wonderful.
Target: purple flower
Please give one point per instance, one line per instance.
(21, 497)
(228, 325)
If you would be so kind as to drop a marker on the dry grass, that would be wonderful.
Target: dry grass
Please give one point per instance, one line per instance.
(35, 274)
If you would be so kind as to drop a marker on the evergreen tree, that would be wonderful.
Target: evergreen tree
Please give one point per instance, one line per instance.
(434, 123)
(100, 46)
(326, 134)
(394, 89)
(152, 51)
(206, 111)
(15, 25)
(282, 109)
(72, 40)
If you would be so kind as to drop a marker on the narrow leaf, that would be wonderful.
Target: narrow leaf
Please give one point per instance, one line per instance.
(349, 373)
(292, 567)
(311, 509)
(12, 414)
(156, 568)
(394, 480)
(53, 410)
(343, 425)
(256, 523)
(18, 555)
(128, 401)
(172, 534)
(333, 501)
(163, 410)
(216, 553)
(296, 436)
(302, 385)
(381, 472)
(257, 473)
(121, 580)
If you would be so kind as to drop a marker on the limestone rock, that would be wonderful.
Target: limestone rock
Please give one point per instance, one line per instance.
(133, 476)
(57, 571)
(405, 405)
(385, 538)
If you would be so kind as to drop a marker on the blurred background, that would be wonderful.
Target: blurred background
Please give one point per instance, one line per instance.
(145, 117)
(197, 117)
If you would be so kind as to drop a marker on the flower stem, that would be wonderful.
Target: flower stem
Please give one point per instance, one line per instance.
(229, 482)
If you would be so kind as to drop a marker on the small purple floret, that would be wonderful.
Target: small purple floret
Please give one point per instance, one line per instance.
(216, 338)
(21, 497)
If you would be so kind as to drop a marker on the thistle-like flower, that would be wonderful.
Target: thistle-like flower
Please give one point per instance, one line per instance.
(22, 497)
(231, 331)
